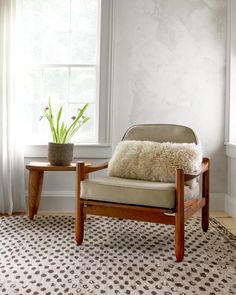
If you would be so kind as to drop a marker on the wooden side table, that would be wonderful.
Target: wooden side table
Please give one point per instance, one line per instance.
(35, 184)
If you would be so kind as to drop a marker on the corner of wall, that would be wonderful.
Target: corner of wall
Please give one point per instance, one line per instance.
(230, 205)
(217, 202)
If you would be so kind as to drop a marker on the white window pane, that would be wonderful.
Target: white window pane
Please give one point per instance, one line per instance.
(56, 15)
(32, 15)
(32, 53)
(57, 34)
(88, 130)
(84, 15)
(37, 131)
(32, 85)
(46, 15)
(55, 48)
(56, 84)
(82, 85)
(83, 47)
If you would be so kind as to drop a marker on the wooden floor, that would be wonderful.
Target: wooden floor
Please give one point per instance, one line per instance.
(224, 219)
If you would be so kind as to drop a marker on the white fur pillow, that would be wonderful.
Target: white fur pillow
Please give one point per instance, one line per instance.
(153, 161)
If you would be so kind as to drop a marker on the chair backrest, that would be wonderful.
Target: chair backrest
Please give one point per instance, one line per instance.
(161, 133)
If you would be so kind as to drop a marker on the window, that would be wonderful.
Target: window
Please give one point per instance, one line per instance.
(61, 59)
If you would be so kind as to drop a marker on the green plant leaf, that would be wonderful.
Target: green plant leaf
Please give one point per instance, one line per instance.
(49, 115)
(58, 123)
(74, 130)
(76, 121)
(70, 135)
(62, 133)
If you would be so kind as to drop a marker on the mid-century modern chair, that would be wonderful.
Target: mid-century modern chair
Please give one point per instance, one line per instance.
(123, 198)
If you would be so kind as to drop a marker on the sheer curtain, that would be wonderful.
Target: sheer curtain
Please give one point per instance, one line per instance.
(12, 196)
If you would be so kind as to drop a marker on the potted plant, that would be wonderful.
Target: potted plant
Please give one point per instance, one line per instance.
(60, 151)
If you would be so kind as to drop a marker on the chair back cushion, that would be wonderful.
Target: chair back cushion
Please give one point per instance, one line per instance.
(161, 133)
(153, 161)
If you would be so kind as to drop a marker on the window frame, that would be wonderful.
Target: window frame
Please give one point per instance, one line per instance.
(101, 149)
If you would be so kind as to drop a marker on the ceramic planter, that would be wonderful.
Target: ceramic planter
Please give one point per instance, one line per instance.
(60, 154)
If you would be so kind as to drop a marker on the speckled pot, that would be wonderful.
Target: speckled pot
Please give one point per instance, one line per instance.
(60, 154)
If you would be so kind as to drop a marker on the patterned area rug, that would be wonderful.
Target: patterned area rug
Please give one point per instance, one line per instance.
(117, 257)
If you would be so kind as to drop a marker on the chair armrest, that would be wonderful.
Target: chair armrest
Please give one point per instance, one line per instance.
(203, 168)
(89, 169)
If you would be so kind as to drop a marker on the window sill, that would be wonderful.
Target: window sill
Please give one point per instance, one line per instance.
(230, 150)
(87, 151)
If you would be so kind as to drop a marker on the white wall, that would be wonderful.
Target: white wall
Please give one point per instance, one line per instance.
(232, 69)
(169, 67)
(230, 200)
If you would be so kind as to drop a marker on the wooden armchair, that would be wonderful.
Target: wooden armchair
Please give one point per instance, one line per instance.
(97, 201)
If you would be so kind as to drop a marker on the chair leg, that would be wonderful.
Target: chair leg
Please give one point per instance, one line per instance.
(205, 217)
(179, 239)
(205, 194)
(79, 224)
(179, 216)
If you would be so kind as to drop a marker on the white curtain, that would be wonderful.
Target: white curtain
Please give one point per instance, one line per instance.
(12, 196)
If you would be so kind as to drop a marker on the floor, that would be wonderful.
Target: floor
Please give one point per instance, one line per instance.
(225, 219)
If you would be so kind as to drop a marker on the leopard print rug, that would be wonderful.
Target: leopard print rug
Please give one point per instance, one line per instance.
(116, 257)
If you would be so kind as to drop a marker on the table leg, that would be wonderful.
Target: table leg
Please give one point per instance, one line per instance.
(35, 189)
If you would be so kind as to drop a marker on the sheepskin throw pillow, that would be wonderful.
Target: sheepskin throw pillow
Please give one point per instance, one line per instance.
(153, 161)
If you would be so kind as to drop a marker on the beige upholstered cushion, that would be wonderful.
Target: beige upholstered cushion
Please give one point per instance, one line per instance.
(135, 192)
(161, 133)
(153, 161)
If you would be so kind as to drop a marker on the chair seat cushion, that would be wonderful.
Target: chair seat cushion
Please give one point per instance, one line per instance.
(134, 192)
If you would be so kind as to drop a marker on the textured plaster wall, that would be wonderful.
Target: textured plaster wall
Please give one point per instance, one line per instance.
(232, 78)
(230, 202)
(169, 67)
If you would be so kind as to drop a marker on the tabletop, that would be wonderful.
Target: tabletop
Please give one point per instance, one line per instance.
(45, 166)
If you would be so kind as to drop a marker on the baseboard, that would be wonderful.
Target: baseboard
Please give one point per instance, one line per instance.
(217, 202)
(230, 206)
(64, 201)
(57, 201)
